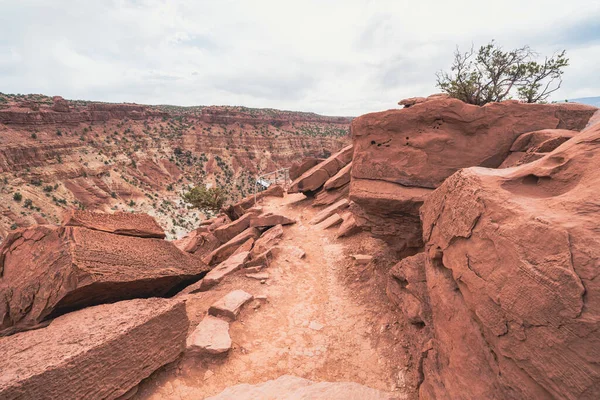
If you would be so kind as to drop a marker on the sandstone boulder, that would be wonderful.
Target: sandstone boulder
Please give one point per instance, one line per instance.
(47, 270)
(120, 223)
(329, 211)
(270, 219)
(224, 251)
(398, 152)
(198, 242)
(328, 197)
(297, 169)
(315, 177)
(211, 336)
(228, 231)
(99, 352)
(294, 388)
(339, 179)
(348, 226)
(227, 267)
(511, 261)
(230, 305)
(268, 239)
(330, 221)
(532, 145)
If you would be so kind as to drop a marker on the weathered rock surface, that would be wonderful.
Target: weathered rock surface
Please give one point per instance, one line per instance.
(329, 211)
(198, 242)
(330, 221)
(227, 267)
(270, 219)
(294, 388)
(47, 270)
(510, 266)
(268, 239)
(224, 251)
(228, 231)
(348, 226)
(532, 145)
(316, 177)
(297, 169)
(230, 305)
(211, 336)
(328, 197)
(120, 223)
(399, 155)
(96, 353)
(339, 179)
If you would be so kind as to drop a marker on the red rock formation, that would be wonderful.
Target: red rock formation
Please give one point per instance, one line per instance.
(120, 223)
(97, 353)
(47, 270)
(506, 286)
(400, 155)
(297, 169)
(316, 177)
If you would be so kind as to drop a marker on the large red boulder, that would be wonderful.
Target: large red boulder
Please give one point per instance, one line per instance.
(120, 223)
(97, 353)
(47, 270)
(510, 264)
(316, 177)
(297, 169)
(417, 148)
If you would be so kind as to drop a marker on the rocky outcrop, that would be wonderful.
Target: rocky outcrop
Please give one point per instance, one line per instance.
(315, 178)
(401, 155)
(97, 353)
(533, 145)
(46, 271)
(506, 288)
(120, 223)
(297, 169)
(294, 388)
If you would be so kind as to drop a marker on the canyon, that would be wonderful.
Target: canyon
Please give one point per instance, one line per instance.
(442, 251)
(58, 154)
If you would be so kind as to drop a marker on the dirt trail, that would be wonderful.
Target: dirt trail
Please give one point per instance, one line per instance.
(320, 322)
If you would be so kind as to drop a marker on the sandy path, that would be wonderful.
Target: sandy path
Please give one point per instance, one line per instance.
(312, 325)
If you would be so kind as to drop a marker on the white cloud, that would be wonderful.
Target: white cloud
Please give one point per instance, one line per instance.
(334, 57)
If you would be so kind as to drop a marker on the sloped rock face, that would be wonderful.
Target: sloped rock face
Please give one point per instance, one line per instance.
(510, 265)
(120, 223)
(315, 178)
(47, 270)
(97, 353)
(400, 152)
(294, 388)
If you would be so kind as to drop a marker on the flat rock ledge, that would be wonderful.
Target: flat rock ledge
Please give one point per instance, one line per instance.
(99, 352)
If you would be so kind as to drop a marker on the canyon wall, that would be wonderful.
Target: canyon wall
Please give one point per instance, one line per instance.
(56, 154)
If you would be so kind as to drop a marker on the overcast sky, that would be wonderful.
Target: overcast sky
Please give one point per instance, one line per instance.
(345, 57)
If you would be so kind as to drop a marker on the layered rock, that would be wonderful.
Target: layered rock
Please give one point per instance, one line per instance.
(120, 223)
(97, 353)
(315, 178)
(506, 287)
(401, 155)
(46, 271)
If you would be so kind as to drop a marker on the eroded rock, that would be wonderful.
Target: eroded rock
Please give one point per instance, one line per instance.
(211, 336)
(99, 352)
(230, 305)
(120, 223)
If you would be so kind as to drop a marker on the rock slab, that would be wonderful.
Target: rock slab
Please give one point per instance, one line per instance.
(120, 223)
(211, 336)
(97, 353)
(230, 305)
(46, 271)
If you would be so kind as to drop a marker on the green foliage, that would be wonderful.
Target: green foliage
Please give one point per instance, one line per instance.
(492, 74)
(34, 136)
(17, 196)
(203, 198)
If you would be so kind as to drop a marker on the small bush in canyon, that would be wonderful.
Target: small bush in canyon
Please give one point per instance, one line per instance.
(204, 198)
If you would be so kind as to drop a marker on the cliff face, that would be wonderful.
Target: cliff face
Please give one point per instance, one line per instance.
(56, 153)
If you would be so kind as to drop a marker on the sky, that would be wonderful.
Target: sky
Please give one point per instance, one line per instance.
(345, 57)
